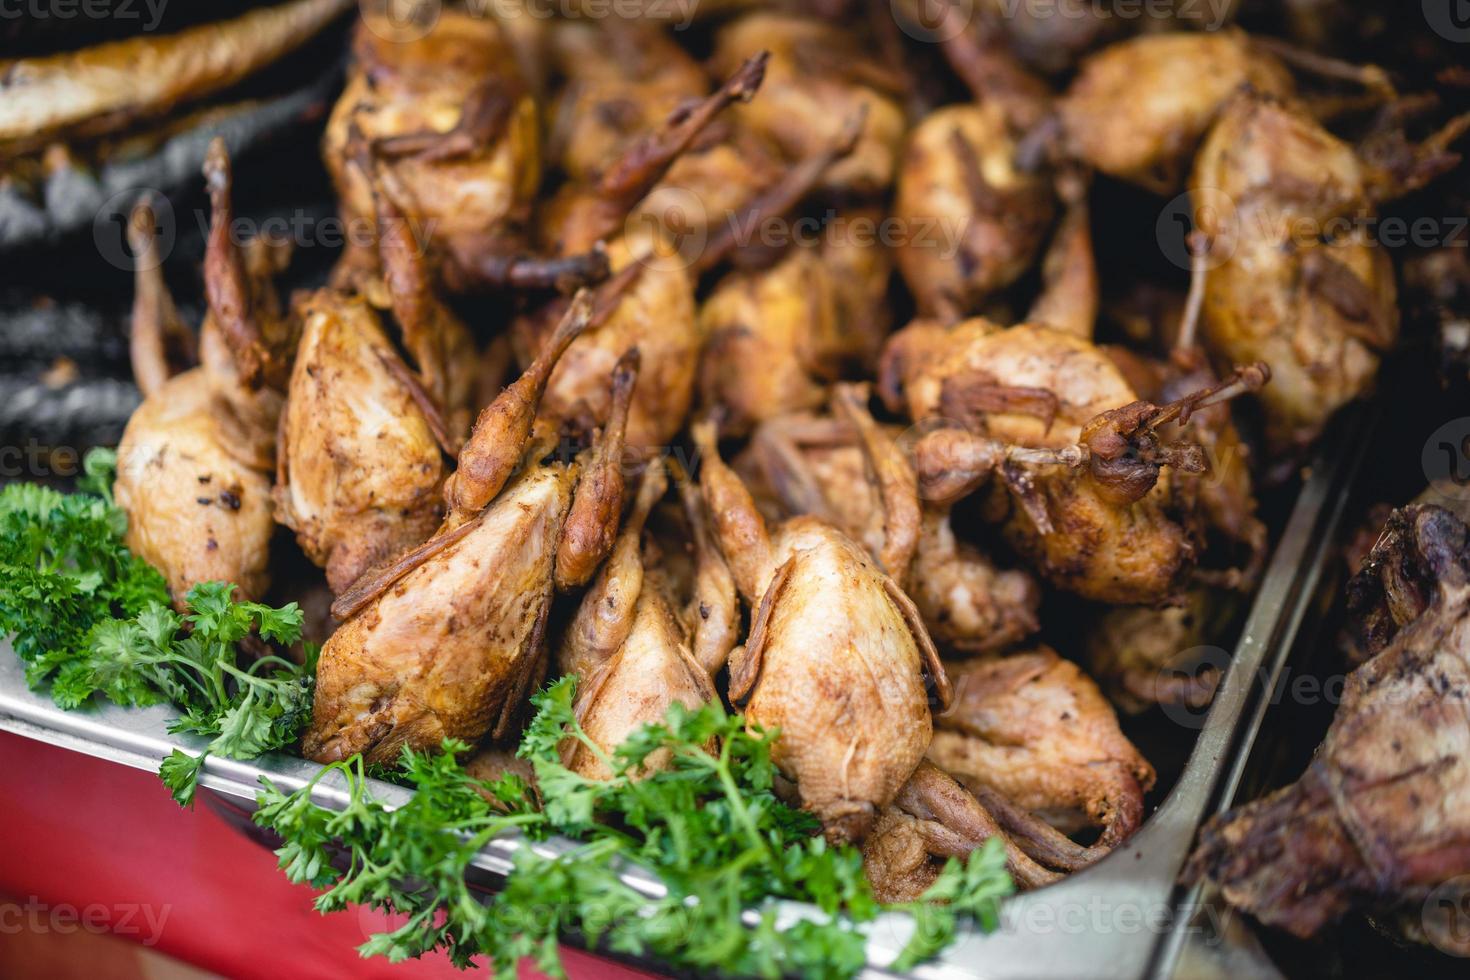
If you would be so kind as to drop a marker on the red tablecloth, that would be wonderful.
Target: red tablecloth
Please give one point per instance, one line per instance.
(82, 837)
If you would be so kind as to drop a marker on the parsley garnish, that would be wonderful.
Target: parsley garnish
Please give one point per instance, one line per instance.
(91, 618)
(708, 826)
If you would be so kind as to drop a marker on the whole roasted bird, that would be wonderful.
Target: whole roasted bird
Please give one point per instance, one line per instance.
(446, 639)
(1382, 814)
(836, 656)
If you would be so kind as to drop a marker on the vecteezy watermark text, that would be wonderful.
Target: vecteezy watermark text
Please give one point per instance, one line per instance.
(148, 12)
(134, 920)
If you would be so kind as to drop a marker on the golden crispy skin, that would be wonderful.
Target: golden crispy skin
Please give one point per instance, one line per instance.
(760, 329)
(107, 87)
(1382, 814)
(623, 79)
(195, 512)
(450, 648)
(463, 196)
(628, 648)
(1138, 109)
(1088, 541)
(972, 222)
(656, 315)
(1319, 311)
(814, 85)
(1084, 380)
(651, 670)
(361, 471)
(1036, 728)
(969, 603)
(840, 673)
(248, 416)
(1143, 656)
(812, 465)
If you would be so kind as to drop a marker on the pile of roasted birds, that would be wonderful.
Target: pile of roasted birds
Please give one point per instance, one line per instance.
(811, 381)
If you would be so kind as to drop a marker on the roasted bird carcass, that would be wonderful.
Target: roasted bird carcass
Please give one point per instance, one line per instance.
(1110, 521)
(632, 644)
(973, 220)
(781, 328)
(365, 437)
(836, 656)
(1037, 729)
(195, 461)
(1382, 814)
(818, 79)
(1320, 310)
(446, 639)
(655, 310)
(811, 464)
(453, 119)
(623, 79)
(1395, 580)
(1138, 109)
(1145, 656)
(974, 214)
(931, 820)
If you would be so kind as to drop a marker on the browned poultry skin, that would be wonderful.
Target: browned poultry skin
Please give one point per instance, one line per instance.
(1394, 581)
(500, 433)
(932, 820)
(447, 639)
(1138, 108)
(655, 314)
(835, 658)
(1143, 656)
(361, 471)
(1075, 531)
(814, 465)
(606, 613)
(1320, 312)
(1382, 814)
(621, 82)
(757, 325)
(969, 603)
(644, 663)
(195, 512)
(434, 336)
(973, 221)
(448, 650)
(160, 343)
(588, 210)
(816, 80)
(654, 311)
(194, 461)
(1036, 728)
(592, 522)
(247, 339)
(454, 116)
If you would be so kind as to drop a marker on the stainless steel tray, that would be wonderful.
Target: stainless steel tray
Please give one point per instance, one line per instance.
(1124, 917)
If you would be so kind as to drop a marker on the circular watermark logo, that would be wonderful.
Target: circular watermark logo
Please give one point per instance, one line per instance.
(1185, 687)
(1446, 460)
(1450, 19)
(1205, 210)
(401, 21)
(1446, 917)
(671, 229)
(110, 230)
(932, 21)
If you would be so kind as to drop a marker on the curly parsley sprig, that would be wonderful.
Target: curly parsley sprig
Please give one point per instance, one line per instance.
(706, 824)
(93, 619)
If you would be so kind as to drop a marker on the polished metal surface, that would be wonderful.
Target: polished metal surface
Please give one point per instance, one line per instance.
(1125, 917)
